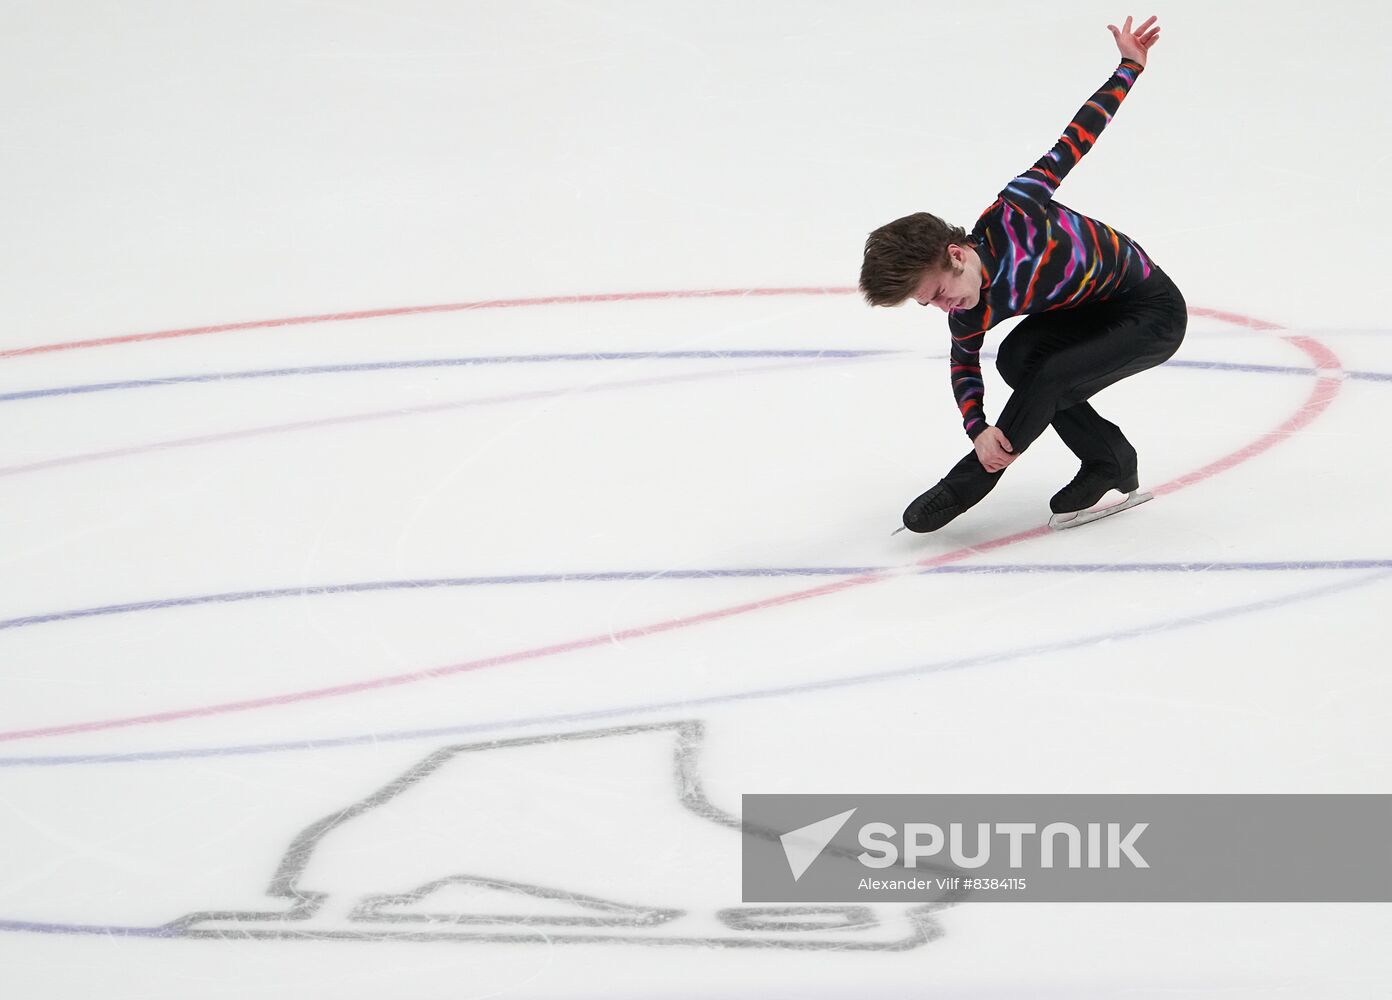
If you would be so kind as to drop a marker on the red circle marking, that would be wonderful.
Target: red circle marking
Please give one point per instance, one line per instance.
(1327, 384)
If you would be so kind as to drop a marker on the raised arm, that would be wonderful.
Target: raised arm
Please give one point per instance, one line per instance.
(1040, 181)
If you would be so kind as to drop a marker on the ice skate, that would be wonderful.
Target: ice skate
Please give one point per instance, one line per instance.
(1093, 481)
(932, 510)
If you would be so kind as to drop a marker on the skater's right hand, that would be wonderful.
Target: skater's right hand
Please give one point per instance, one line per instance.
(993, 450)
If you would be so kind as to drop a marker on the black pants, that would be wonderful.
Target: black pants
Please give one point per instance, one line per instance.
(1056, 361)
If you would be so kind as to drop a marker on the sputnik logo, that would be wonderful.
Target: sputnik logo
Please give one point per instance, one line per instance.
(806, 844)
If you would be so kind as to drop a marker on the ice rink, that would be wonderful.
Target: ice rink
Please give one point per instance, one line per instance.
(446, 463)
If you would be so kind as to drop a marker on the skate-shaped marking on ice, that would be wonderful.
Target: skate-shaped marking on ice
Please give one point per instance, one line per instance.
(559, 838)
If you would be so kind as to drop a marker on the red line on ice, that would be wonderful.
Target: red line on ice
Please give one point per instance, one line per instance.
(344, 317)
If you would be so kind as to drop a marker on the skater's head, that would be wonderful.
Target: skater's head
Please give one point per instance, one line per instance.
(921, 257)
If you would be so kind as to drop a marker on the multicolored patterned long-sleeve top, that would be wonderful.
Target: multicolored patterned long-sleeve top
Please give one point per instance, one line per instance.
(1038, 255)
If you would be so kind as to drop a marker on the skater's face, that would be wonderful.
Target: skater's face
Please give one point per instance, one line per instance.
(957, 286)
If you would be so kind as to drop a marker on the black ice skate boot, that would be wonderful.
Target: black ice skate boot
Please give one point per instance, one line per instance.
(1091, 483)
(933, 509)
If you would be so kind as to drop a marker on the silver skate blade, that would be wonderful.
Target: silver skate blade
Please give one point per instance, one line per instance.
(897, 530)
(1059, 522)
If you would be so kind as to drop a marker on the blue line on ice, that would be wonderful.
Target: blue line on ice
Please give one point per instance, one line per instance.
(512, 359)
(618, 576)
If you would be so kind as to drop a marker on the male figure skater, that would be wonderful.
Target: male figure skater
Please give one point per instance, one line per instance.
(1098, 310)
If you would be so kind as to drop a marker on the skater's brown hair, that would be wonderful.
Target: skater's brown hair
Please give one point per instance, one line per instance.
(897, 255)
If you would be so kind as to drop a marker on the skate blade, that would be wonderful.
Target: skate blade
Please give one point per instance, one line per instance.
(1060, 522)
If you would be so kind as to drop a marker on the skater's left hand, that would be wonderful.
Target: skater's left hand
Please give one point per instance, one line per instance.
(993, 450)
(1135, 45)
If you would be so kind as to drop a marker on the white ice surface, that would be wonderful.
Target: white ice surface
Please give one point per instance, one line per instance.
(170, 166)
